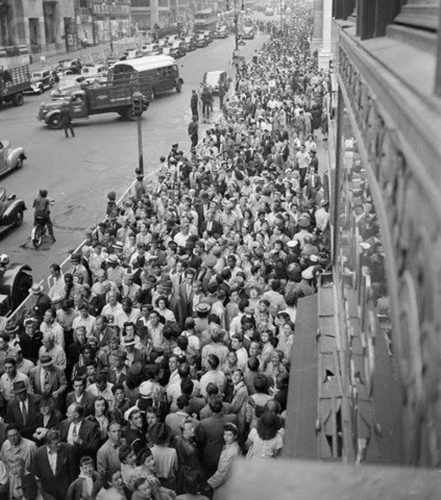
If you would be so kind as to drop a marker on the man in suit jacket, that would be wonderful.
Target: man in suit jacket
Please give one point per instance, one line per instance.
(80, 396)
(23, 410)
(83, 435)
(46, 379)
(80, 489)
(210, 225)
(53, 466)
(209, 436)
(184, 299)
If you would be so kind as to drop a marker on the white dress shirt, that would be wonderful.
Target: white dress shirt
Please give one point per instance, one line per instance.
(52, 457)
(73, 432)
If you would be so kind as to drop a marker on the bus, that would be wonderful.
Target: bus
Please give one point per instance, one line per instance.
(160, 73)
(205, 20)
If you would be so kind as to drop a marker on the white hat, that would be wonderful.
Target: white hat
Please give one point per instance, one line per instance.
(146, 389)
(308, 273)
(292, 243)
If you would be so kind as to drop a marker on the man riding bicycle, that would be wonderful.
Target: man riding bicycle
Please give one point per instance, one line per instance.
(42, 212)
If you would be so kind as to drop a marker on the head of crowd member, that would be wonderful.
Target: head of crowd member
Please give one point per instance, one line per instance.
(135, 419)
(10, 366)
(114, 432)
(127, 455)
(215, 404)
(13, 434)
(236, 341)
(86, 466)
(20, 390)
(114, 480)
(231, 433)
(213, 362)
(49, 316)
(253, 364)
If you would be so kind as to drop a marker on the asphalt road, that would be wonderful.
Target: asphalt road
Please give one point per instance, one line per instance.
(79, 172)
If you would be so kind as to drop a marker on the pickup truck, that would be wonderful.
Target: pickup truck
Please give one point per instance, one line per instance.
(94, 99)
(13, 83)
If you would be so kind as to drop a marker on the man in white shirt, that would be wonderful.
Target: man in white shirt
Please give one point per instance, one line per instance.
(56, 284)
(84, 319)
(51, 327)
(11, 376)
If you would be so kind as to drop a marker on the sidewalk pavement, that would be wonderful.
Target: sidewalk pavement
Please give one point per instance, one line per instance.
(97, 53)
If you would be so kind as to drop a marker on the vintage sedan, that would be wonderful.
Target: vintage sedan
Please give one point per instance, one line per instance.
(10, 158)
(215, 80)
(11, 211)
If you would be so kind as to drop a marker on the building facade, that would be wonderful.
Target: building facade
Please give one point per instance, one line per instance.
(148, 14)
(100, 21)
(40, 25)
(386, 213)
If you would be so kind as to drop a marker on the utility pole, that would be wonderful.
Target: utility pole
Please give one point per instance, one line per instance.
(110, 26)
(236, 26)
(138, 108)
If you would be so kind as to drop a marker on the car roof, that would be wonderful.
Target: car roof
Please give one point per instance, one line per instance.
(147, 62)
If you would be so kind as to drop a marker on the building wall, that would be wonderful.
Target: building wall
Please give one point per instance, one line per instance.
(387, 105)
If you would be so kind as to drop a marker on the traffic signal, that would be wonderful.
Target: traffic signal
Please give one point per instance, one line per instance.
(137, 103)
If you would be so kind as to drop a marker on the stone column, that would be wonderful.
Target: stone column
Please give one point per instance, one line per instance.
(325, 53)
(316, 41)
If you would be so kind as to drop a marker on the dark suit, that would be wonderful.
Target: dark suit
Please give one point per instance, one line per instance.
(209, 435)
(212, 227)
(56, 377)
(75, 491)
(14, 416)
(89, 435)
(184, 303)
(58, 484)
(86, 401)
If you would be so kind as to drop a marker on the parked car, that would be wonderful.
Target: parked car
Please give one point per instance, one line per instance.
(248, 32)
(150, 49)
(10, 158)
(11, 211)
(201, 41)
(176, 50)
(216, 79)
(208, 36)
(40, 81)
(69, 66)
(189, 43)
(221, 32)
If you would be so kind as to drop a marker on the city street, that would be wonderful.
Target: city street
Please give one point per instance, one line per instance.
(79, 172)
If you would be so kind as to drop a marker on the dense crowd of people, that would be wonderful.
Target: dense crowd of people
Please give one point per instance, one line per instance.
(164, 352)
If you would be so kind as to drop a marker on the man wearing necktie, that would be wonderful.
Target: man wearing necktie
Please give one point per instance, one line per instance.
(23, 410)
(53, 466)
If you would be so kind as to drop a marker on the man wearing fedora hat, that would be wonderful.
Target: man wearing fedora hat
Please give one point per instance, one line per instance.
(23, 409)
(38, 302)
(46, 379)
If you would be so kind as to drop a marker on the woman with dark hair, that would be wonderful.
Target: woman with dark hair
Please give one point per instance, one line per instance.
(113, 487)
(229, 452)
(161, 304)
(266, 440)
(166, 458)
(48, 418)
(100, 416)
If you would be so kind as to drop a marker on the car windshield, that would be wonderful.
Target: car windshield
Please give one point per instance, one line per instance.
(212, 78)
(36, 75)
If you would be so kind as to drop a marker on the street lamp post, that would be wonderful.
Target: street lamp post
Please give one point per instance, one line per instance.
(109, 4)
(236, 26)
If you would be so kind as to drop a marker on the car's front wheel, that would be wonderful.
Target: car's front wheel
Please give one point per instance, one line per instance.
(54, 121)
